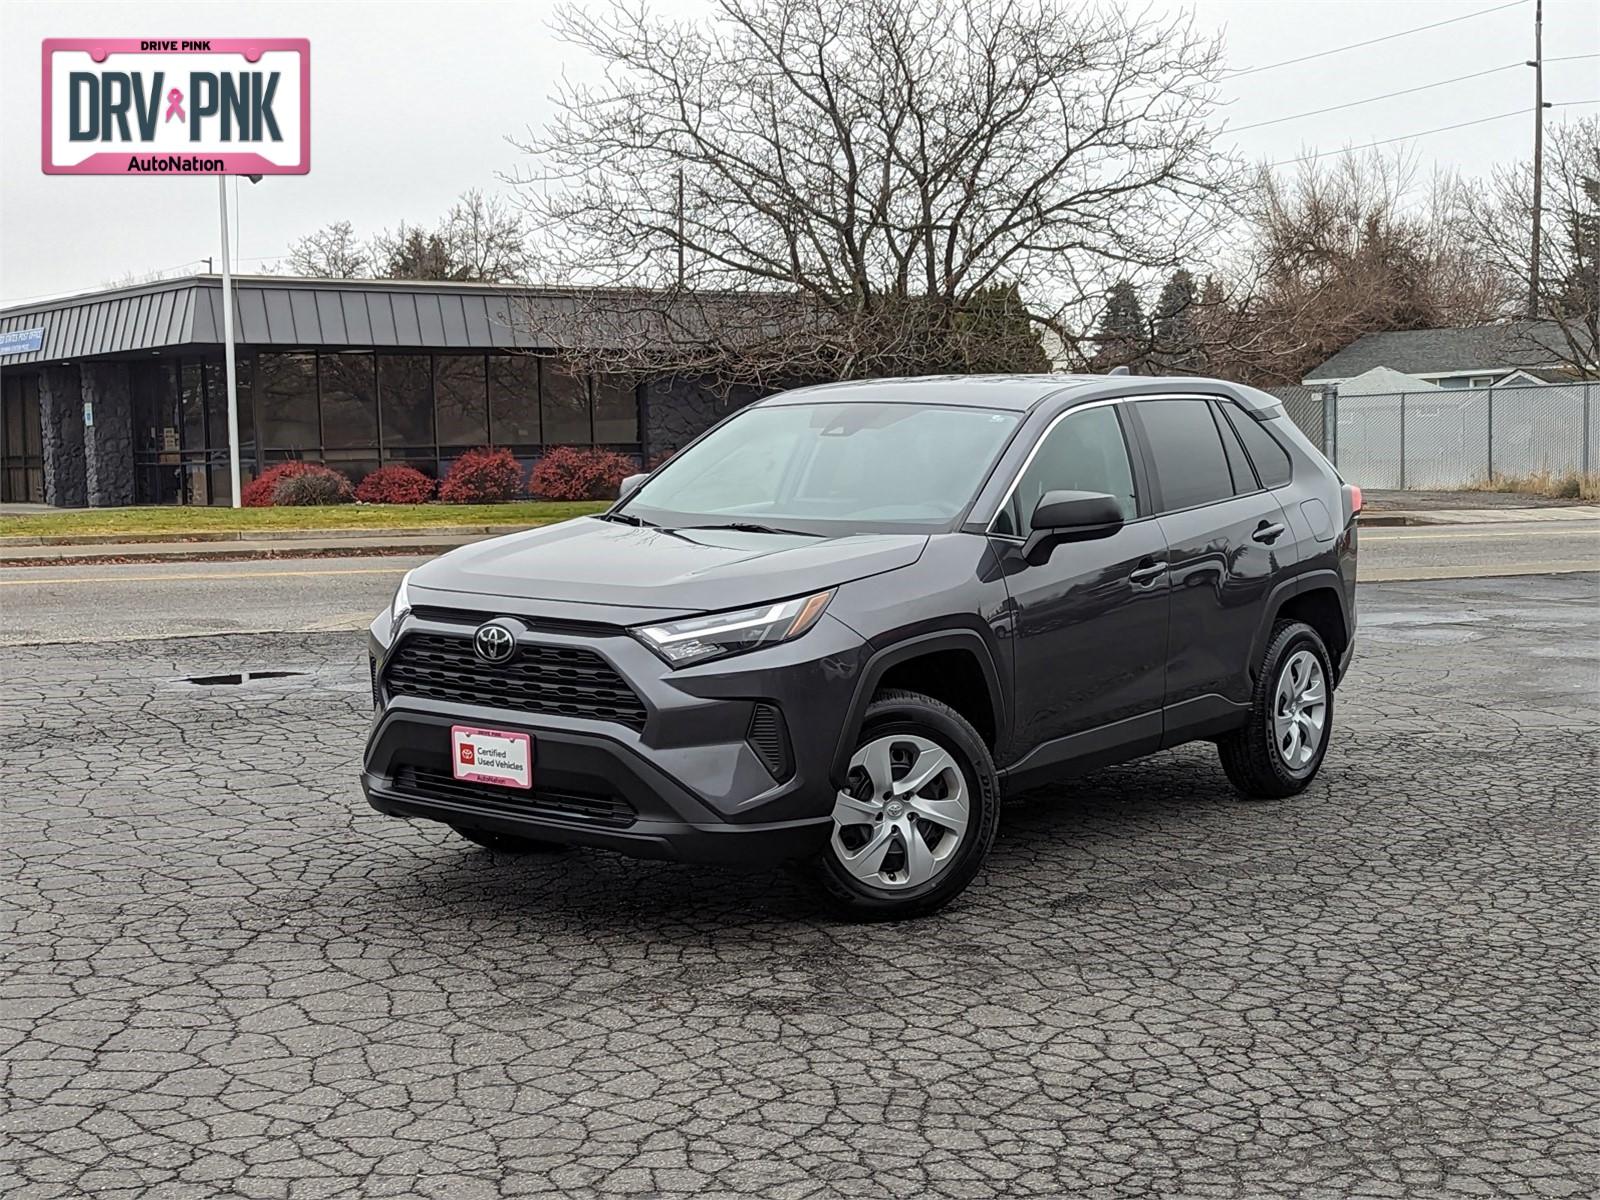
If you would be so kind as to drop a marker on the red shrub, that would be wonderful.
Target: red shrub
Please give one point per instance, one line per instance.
(482, 476)
(258, 492)
(314, 485)
(395, 485)
(570, 473)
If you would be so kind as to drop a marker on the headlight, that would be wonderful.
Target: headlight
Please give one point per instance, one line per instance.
(401, 604)
(699, 639)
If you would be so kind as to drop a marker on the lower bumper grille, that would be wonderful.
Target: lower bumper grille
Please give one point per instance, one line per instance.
(573, 808)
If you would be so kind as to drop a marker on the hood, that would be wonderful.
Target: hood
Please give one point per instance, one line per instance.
(588, 561)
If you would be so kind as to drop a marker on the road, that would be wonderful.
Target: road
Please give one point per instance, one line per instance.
(224, 975)
(156, 600)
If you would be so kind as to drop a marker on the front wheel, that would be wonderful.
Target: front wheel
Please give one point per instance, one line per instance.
(1280, 749)
(917, 815)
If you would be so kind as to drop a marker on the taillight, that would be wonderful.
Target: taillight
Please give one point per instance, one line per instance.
(1352, 502)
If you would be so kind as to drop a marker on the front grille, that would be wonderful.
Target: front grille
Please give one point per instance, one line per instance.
(769, 738)
(471, 618)
(576, 808)
(562, 681)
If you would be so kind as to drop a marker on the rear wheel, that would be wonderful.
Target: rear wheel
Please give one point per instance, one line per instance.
(1280, 748)
(506, 843)
(917, 815)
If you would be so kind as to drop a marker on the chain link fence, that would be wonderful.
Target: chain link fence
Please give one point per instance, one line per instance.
(1448, 438)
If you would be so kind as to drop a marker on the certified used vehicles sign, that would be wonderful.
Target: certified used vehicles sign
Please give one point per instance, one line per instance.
(172, 106)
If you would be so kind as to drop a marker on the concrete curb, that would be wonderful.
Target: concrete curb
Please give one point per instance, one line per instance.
(231, 552)
(257, 535)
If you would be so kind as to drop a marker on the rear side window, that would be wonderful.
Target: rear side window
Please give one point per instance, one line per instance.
(1271, 459)
(1085, 452)
(1191, 465)
(1244, 479)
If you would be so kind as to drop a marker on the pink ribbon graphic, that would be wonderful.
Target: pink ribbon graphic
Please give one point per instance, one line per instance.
(175, 105)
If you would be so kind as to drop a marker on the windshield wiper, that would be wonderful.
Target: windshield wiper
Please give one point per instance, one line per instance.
(627, 519)
(752, 527)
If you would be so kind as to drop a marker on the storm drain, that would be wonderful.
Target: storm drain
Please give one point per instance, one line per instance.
(236, 678)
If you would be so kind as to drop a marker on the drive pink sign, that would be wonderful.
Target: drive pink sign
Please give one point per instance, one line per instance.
(171, 106)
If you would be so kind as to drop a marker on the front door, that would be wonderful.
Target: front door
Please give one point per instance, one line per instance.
(1091, 623)
(1226, 537)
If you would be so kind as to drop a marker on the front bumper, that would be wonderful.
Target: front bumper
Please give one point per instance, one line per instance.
(689, 785)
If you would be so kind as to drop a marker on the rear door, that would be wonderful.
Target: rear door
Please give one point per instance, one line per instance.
(1226, 538)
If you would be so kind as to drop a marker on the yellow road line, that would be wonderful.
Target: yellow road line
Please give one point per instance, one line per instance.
(180, 578)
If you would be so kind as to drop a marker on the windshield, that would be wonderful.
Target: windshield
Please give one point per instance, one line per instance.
(830, 468)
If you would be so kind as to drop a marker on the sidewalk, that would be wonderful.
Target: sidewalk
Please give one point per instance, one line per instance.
(318, 543)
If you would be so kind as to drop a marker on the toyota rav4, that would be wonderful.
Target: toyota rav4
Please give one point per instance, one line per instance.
(841, 624)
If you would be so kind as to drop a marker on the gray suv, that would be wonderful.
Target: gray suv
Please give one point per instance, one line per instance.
(841, 624)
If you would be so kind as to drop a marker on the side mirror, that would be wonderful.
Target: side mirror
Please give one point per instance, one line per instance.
(630, 484)
(1070, 517)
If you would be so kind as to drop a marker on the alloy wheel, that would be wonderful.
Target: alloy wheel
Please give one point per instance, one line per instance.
(902, 814)
(1300, 710)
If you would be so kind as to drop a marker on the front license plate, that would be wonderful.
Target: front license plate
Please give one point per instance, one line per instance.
(492, 756)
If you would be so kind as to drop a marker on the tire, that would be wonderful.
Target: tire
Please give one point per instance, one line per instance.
(1255, 757)
(506, 843)
(900, 843)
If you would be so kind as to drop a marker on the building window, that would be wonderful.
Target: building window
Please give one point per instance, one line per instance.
(514, 400)
(349, 401)
(564, 402)
(616, 410)
(461, 399)
(405, 394)
(288, 390)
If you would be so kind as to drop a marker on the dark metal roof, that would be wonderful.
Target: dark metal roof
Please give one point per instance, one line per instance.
(1485, 348)
(280, 311)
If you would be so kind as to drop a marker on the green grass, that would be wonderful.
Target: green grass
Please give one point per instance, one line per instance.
(179, 522)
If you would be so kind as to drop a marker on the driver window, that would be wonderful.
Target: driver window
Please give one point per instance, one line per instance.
(1086, 452)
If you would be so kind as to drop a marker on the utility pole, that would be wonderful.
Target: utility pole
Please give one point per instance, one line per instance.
(1538, 156)
(680, 228)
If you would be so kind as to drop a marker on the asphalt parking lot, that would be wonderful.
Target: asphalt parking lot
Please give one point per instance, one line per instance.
(223, 975)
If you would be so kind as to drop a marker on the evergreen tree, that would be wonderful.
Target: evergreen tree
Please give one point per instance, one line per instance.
(1122, 338)
(1176, 312)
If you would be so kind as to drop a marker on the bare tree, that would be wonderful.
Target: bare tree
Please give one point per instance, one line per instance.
(332, 252)
(1497, 223)
(482, 239)
(804, 188)
(1344, 247)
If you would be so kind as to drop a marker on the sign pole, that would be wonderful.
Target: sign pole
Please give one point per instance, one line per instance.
(227, 345)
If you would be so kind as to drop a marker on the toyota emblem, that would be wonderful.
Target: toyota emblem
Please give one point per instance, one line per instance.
(494, 643)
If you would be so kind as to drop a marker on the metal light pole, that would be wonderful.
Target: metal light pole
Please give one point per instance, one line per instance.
(227, 345)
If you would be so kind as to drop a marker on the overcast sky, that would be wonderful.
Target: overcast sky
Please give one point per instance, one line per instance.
(411, 102)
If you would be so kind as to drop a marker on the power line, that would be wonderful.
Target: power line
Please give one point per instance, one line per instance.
(1520, 112)
(1370, 99)
(1316, 112)
(1371, 41)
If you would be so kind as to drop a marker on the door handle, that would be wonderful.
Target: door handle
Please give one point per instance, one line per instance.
(1150, 574)
(1266, 532)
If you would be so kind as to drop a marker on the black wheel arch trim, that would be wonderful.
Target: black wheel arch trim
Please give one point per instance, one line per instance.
(1318, 579)
(877, 666)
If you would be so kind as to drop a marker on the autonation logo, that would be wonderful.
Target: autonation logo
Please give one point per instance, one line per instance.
(164, 106)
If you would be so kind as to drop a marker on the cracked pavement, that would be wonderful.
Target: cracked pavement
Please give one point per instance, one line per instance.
(224, 976)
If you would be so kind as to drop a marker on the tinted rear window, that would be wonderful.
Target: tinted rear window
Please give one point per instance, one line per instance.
(1271, 459)
(1191, 466)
